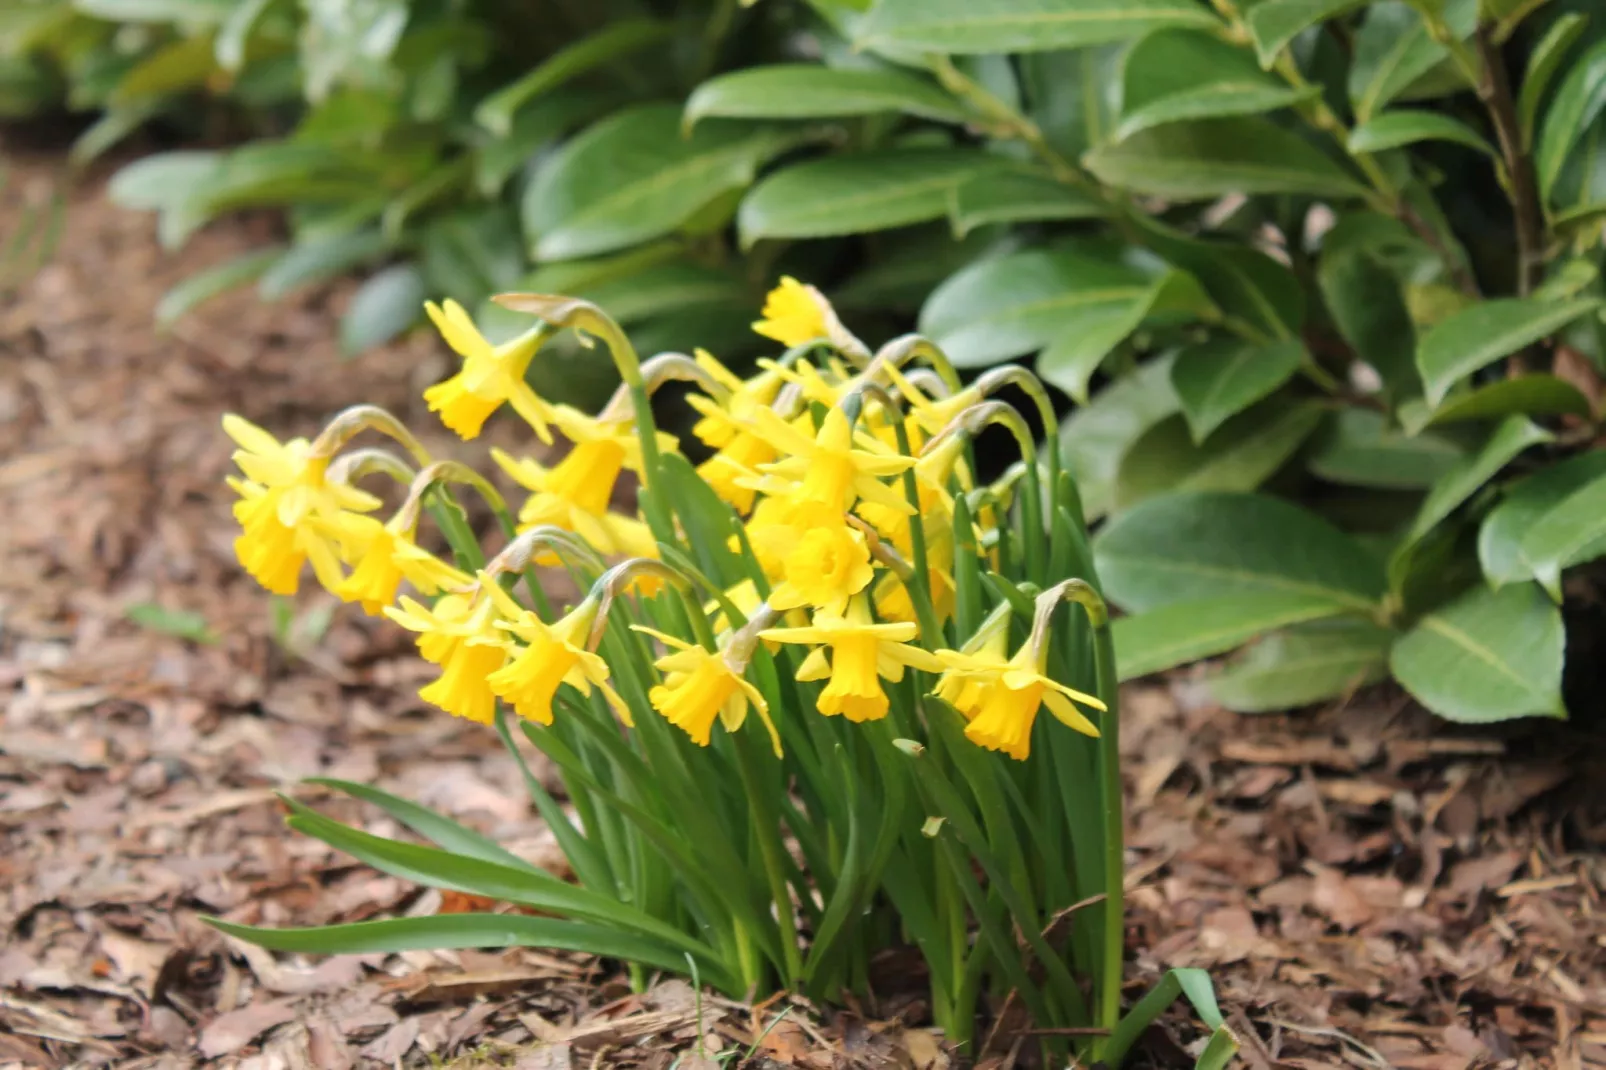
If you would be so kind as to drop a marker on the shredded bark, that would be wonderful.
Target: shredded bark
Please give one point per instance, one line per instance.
(1369, 886)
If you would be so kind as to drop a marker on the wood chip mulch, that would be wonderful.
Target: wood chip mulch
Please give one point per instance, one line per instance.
(1369, 888)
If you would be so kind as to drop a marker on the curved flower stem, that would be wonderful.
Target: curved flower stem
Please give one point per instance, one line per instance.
(349, 467)
(903, 349)
(970, 422)
(1023, 379)
(1109, 764)
(586, 317)
(348, 423)
(618, 579)
(655, 372)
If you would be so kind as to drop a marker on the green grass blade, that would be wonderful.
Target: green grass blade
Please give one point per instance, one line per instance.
(437, 829)
(445, 931)
(442, 869)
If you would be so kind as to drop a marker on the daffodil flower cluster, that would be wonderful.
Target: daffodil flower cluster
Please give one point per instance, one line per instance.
(813, 453)
(796, 707)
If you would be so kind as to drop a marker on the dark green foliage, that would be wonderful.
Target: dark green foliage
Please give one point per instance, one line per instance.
(1338, 252)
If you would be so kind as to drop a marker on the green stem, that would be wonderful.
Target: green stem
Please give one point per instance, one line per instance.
(766, 826)
(1109, 765)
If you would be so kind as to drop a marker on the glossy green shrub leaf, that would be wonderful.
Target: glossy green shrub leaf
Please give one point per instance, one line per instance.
(617, 39)
(1180, 632)
(1363, 450)
(1393, 50)
(159, 181)
(1176, 75)
(1368, 305)
(1071, 360)
(1396, 129)
(1274, 23)
(964, 27)
(1074, 95)
(1570, 532)
(1095, 436)
(213, 281)
(1485, 332)
(318, 261)
(1220, 378)
(1533, 395)
(1579, 98)
(809, 91)
(1012, 305)
(387, 304)
(1304, 664)
(190, 12)
(229, 47)
(1460, 483)
(633, 177)
(1216, 157)
(1240, 455)
(1185, 547)
(1500, 538)
(176, 67)
(856, 193)
(1543, 64)
(1016, 197)
(536, 126)
(1487, 656)
(1243, 282)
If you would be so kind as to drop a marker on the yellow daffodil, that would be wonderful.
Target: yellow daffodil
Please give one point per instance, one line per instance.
(931, 414)
(739, 452)
(861, 653)
(829, 468)
(793, 314)
(773, 531)
(893, 602)
(553, 654)
(490, 376)
(700, 685)
(574, 494)
(1001, 698)
(460, 634)
(828, 565)
(286, 502)
(382, 555)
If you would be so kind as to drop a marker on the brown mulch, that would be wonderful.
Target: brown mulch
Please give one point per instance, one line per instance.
(1368, 887)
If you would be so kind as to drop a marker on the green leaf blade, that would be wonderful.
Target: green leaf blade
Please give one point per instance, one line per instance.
(620, 38)
(1220, 378)
(1176, 75)
(1488, 656)
(961, 27)
(633, 177)
(1483, 333)
(1181, 547)
(1016, 197)
(856, 193)
(810, 91)
(1181, 632)
(1303, 665)
(1215, 157)
(1500, 538)
(1396, 129)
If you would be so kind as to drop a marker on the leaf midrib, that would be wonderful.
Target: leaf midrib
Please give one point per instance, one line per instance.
(635, 191)
(1349, 598)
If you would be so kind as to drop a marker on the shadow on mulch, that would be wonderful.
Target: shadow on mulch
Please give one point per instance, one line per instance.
(1369, 887)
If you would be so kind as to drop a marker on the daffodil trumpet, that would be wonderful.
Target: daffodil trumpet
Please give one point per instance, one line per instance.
(807, 700)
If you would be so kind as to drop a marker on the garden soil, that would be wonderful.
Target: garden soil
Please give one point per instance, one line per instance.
(1369, 888)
